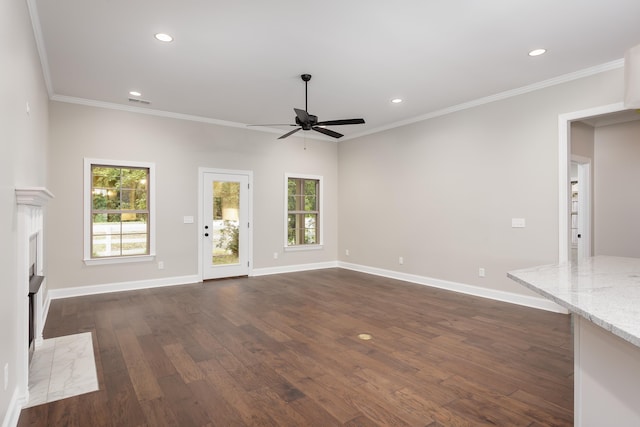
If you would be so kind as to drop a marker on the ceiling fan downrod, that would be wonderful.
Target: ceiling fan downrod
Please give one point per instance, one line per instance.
(305, 78)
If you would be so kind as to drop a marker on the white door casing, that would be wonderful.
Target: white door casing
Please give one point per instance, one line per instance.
(584, 206)
(220, 227)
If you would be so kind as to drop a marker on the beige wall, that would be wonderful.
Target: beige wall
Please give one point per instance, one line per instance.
(23, 150)
(441, 193)
(178, 148)
(616, 182)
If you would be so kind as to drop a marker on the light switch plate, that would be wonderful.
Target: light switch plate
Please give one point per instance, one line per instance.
(188, 220)
(517, 222)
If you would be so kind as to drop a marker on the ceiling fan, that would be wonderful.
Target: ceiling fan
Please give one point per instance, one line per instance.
(306, 121)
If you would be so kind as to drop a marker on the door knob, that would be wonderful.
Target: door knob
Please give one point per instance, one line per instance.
(206, 234)
(206, 227)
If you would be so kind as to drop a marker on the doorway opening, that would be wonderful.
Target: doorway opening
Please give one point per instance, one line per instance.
(604, 115)
(581, 209)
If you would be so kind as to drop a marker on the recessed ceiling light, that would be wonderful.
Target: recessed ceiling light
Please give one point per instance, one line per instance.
(396, 100)
(163, 37)
(537, 52)
(135, 93)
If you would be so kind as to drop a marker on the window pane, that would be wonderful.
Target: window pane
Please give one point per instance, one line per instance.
(291, 203)
(310, 229)
(291, 186)
(100, 218)
(133, 199)
(310, 203)
(99, 196)
(133, 178)
(140, 202)
(106, 235)
(113, 198)
(310, 187)
(105, 246)
(105, 176)
(291, 229)
(134, 244)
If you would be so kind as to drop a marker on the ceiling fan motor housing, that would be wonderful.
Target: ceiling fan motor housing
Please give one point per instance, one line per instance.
(313, 120)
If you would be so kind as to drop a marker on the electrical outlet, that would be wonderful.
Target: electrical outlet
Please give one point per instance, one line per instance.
(346, 252)
(6, 376)
(481, 272)
(160, 265)
(275, 255)
(401, 260)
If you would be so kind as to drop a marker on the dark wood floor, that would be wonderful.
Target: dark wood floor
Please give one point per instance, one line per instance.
(284, 350)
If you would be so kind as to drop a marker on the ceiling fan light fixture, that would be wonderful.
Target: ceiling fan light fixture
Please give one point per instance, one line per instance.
(537, 52)
(135, 93)
(163, 37)
(396, 100)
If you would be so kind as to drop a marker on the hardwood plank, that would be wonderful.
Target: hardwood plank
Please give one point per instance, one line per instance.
(141, 375)
(158, 413)
(183, 363)
(215, 405)
(237, 397)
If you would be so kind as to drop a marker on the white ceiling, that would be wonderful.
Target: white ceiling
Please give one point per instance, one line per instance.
(240, 61)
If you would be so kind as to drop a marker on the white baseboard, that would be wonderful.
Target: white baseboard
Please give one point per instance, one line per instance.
(510, 297)
(293, 268)
(16, 404)
(121, 286)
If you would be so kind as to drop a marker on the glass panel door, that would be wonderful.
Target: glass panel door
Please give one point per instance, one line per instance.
(226, 225)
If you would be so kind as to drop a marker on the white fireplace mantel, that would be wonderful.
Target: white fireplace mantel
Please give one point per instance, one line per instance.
(30, 222)
(33, 196)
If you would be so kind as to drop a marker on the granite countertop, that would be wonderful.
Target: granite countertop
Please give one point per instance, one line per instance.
(603, 289)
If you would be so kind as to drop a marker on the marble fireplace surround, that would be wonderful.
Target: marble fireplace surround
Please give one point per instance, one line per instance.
(30, 223)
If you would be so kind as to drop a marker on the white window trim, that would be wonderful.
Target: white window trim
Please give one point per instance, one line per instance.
(316, 246)
(87, 212)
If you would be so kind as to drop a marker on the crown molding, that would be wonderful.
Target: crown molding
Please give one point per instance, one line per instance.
(619, 63)
(42, 52)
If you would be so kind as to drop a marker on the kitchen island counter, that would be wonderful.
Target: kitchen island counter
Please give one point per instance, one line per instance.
(603, 295)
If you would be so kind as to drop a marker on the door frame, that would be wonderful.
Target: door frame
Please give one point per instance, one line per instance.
(201, 172)
(564, 169)
(584, 205)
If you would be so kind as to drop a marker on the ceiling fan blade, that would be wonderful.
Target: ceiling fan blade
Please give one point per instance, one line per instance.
(342, 122)
(289, 133)
(275, 124)
(327, 132)
(303, 116)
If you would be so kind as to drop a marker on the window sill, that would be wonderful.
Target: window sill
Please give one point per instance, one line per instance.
(119, 260)
(303, 248)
